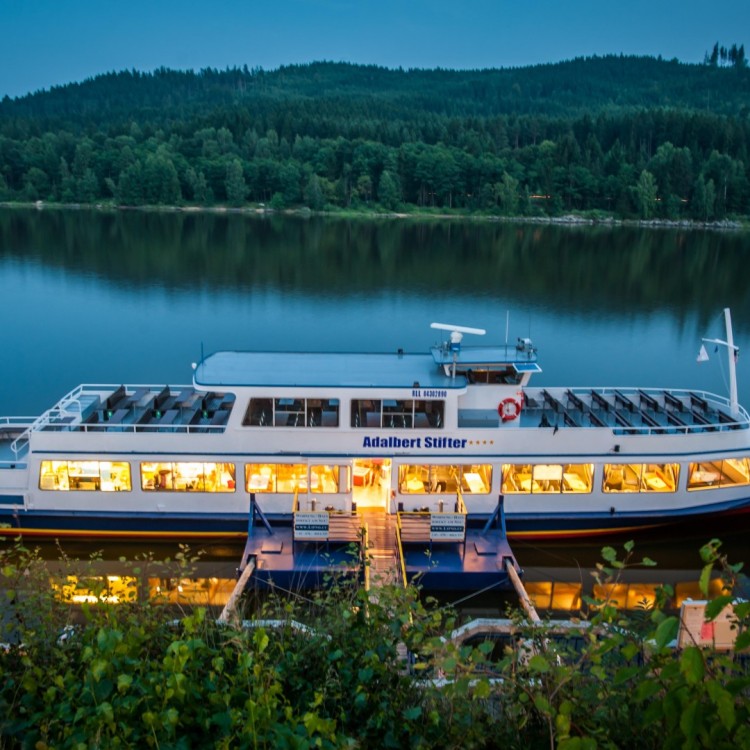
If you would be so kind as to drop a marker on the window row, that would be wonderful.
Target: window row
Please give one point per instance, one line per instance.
(289, 478)
(547, 478)
(182, 476)
(187, 476)
(551, 478)
(397, 413)
(292, 412)
(579, 478)
(366, 413)
(418, 479)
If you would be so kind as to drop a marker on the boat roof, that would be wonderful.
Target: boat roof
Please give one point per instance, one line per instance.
(357, 369)
(343, 370)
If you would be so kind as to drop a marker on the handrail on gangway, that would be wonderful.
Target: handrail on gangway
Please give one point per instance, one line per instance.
(400, 555)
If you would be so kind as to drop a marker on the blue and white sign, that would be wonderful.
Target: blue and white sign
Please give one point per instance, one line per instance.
(308, 525)
(447, 527)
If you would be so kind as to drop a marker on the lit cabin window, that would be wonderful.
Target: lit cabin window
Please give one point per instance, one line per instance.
(542, 479)
(627, 595)
(279, 478)
(419, 479)
(731, 472)
(554, 594)
(188, 476)
(292, 412)
(107, 476)
(326, 480)
(640, 477)
(397, 414)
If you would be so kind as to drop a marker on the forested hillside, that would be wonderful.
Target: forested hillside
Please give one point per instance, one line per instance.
(626, 136)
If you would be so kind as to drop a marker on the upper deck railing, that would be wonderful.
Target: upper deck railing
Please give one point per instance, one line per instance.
(632, 411)
(129, 409)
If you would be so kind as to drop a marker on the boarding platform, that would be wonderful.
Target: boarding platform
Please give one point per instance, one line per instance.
(434, 550)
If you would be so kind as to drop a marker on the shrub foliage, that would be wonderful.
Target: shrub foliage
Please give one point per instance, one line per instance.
(349, 668)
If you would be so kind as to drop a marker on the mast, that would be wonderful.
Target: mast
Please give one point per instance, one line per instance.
(732, 361)
(732, 351)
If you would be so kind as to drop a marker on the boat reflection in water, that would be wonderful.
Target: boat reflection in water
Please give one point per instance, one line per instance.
(557, 576)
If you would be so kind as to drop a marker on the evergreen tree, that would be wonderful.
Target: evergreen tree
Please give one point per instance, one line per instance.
(314, 193)
(714, 60)
(36, 184)
(87, 187)
(198, 185)
(290, 179)
(741, 60)
(704, 197)
(645, 191)
(130, 186)
(67, 182)
(507, 194)
(235, 184)
(161, 184)
(388, 191)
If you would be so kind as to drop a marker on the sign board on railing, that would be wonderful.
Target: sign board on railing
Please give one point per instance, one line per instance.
(310, 525)
(447, 527)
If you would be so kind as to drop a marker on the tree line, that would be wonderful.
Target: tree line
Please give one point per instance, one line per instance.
(336, 136)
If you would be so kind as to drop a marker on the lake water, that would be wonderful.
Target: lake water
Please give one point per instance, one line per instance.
(134, 297)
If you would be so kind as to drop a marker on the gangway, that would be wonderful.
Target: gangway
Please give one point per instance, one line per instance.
(384, 554)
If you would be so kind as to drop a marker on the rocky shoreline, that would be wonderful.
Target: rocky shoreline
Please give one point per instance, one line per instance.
(564, 220)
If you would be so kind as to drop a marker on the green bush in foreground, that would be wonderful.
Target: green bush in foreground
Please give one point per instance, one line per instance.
(332, 671)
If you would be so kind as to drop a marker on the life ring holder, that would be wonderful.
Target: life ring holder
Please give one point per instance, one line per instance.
(509, 409)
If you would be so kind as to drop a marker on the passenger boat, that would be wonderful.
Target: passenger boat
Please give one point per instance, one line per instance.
(453, 439)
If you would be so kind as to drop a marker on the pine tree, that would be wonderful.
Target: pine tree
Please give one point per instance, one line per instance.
(645, 191)
(388, 191)
(235, 183)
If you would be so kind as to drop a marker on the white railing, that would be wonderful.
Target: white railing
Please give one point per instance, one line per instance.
(742, 421)
(70, 405)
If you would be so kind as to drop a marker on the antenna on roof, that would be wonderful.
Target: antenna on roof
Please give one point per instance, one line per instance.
(458, 329)
(457, 333)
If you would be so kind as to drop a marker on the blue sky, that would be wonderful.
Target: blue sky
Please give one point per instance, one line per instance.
(49, 42)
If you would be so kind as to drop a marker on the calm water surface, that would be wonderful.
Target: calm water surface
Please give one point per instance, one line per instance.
(132, 297)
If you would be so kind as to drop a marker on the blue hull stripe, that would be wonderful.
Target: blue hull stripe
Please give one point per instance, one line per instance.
(159, 525)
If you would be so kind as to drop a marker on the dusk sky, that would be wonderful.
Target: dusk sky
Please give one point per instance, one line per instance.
(51, 42)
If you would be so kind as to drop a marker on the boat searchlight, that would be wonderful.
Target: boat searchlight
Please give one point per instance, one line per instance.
(457, 334)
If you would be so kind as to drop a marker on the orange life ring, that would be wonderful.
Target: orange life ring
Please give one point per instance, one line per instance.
(509, 409)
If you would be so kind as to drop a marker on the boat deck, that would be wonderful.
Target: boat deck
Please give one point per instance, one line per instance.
(140, 409)
(92, 408)
(630, 411)
(183, 409)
